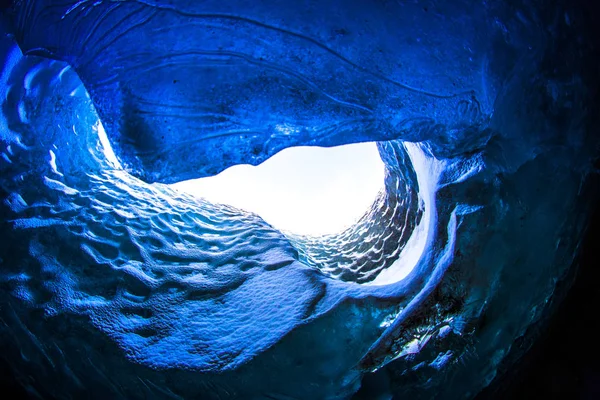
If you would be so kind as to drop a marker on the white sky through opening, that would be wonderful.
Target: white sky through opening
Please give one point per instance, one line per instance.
(303, 190)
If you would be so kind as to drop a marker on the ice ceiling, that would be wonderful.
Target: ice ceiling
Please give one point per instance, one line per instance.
(116, 284)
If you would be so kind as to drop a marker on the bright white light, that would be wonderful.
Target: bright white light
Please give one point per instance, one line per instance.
(111, 158)
(302, 190)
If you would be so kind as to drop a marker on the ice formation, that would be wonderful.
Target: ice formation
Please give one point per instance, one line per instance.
(115, 285)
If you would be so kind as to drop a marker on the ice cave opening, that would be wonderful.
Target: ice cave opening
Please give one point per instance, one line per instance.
(301, 190)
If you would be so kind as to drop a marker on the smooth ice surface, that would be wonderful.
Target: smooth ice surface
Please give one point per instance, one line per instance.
(114, 285)
(303, 190)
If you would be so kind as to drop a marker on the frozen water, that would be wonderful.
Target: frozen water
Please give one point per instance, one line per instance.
(116, 285)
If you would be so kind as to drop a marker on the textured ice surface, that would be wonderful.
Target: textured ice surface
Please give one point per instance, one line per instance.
(116, 286)
(185, 88)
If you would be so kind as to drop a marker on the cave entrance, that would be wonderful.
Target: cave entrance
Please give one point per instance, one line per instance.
(303, 190)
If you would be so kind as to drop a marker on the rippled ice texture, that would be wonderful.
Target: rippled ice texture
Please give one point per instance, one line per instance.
(113, 285)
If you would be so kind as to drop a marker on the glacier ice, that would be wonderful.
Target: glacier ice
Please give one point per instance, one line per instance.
(116, 285)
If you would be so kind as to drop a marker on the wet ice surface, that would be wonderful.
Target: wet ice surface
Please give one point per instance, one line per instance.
(119, 288)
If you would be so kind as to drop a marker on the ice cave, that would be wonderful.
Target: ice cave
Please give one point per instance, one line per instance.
(277, 200)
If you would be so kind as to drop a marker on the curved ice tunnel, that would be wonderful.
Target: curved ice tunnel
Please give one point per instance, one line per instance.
(117, 286)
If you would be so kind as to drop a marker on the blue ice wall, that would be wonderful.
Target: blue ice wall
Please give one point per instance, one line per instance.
(176, 81)
(115, 286)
